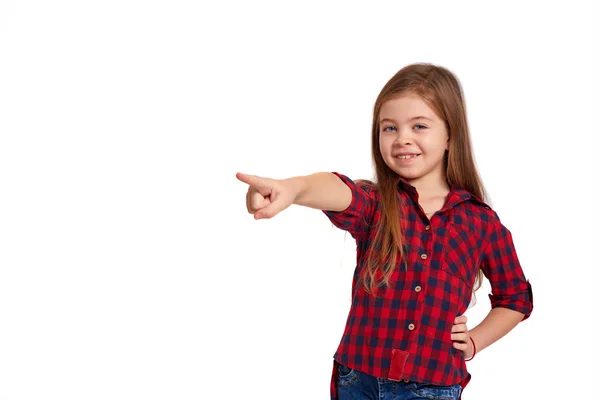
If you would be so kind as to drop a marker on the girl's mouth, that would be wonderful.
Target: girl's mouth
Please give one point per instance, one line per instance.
(407, 158)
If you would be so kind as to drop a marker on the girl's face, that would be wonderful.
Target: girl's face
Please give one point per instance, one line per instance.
(410, 129)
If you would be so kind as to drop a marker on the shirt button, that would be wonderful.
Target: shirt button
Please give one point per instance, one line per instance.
(411, 326)
(428, 227)
(406, 381)
(424, 256)
(417, 288)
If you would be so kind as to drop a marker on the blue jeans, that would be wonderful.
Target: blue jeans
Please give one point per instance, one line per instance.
(355, 385)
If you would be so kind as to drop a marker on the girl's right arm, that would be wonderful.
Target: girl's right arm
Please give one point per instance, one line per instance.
(322, 190)
(267, 197)
(350, 206)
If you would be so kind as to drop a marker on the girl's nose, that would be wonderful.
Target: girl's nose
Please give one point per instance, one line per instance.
(403, 138)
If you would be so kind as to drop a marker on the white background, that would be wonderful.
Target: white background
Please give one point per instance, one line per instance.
(129, 266)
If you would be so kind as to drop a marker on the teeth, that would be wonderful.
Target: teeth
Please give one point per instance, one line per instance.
(407, 156)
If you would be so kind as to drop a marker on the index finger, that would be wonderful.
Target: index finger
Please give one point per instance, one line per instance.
(461, 319)
(249, 179)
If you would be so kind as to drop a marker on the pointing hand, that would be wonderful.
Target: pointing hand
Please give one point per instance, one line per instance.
(267, 197)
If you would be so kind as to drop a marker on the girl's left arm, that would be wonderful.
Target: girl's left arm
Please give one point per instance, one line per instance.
(511, 298)
(495, 325)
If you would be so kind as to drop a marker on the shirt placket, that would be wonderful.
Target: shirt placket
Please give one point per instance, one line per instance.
(420, 285)
(401, 359)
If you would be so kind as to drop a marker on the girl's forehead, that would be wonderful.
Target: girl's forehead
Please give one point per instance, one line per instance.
(406, 108)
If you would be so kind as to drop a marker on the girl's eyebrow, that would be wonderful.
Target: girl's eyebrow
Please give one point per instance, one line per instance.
(412, 119)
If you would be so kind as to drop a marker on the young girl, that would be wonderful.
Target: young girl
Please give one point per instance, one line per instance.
(424, 238)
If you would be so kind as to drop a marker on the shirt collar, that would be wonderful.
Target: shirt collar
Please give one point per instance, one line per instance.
(456, 195)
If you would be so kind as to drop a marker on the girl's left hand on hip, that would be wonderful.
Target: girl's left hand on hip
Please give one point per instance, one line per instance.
(460, 336)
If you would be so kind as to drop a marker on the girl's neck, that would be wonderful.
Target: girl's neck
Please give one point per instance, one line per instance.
(429, 186)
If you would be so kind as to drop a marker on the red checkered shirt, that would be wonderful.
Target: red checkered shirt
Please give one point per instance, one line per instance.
(404, 333)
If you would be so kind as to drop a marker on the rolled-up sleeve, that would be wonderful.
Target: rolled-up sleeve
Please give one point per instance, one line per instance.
(358, 217)
(510, 288)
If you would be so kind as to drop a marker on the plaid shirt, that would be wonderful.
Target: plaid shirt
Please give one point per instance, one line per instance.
(404, 334)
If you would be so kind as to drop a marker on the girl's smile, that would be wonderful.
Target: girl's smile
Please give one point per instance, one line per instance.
(407, 159)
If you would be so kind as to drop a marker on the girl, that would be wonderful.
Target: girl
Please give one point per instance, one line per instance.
(425, 237)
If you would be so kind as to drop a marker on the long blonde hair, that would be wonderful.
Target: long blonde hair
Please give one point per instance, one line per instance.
(441, 90)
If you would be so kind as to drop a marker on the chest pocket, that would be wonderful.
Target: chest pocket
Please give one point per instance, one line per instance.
(463, 249)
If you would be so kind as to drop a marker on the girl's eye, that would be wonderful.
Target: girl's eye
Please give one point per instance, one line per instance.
(386, 128)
